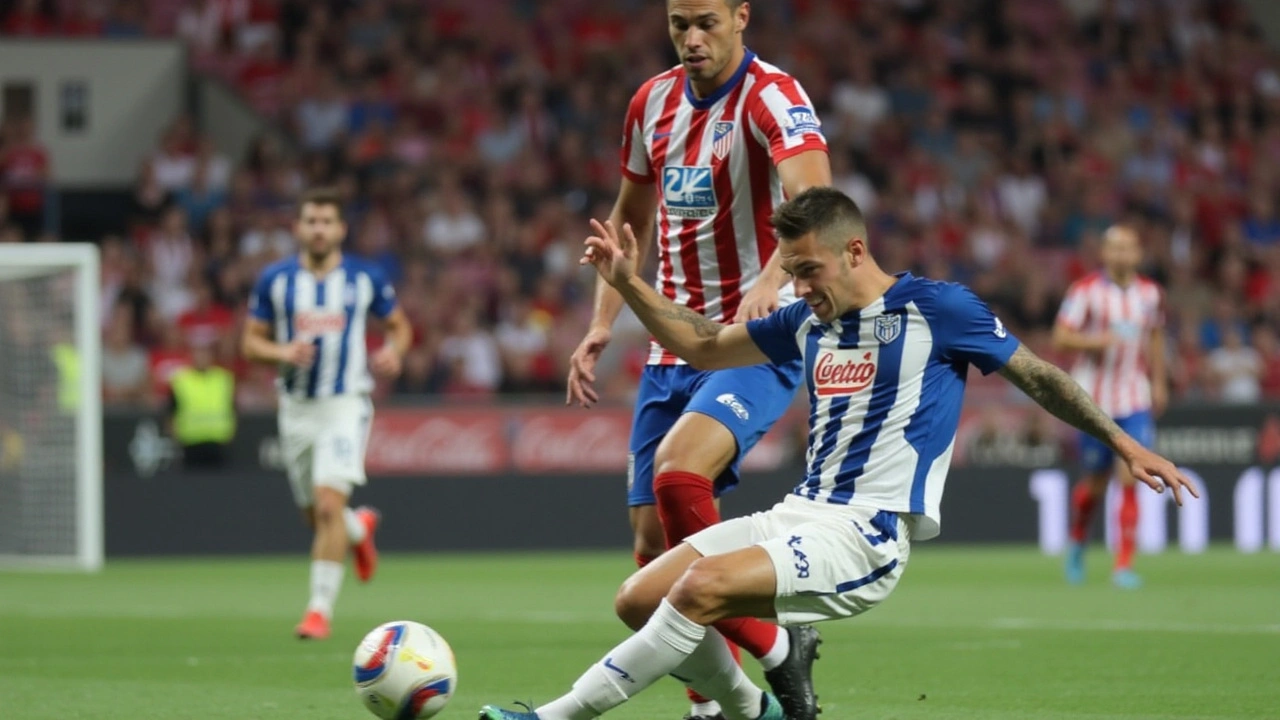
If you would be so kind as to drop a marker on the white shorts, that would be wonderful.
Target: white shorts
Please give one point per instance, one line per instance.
(831, 561)
(322, 442)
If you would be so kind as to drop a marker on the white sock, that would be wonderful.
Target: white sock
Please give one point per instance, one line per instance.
(326, 581)
(711, 670)
(355, 529)
(662, 645)
(711, 708)
(778, 653)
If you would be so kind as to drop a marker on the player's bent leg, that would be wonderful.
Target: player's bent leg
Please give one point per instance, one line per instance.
(670, 642)
(642, 593)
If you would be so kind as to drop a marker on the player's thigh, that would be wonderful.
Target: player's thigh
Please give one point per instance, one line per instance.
(837, 567)
(339, 451)
(298, 428)
(660, 399)
(746, 402)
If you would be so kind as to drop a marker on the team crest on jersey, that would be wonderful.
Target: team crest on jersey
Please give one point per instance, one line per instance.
(887, 328)
(687, 191)
(721, 138)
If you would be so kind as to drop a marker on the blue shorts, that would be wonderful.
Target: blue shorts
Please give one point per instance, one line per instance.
(1096, 456)
(746, 400)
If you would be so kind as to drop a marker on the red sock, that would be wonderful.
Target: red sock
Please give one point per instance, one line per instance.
(1128, 521)
(1083, 502)
(685, 506)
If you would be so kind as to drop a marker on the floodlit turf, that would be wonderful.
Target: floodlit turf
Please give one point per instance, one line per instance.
(977, 634)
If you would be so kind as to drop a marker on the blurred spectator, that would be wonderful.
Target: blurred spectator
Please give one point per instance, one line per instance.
(1236, 369)
(24, 171)
(471, 355)
(125, 367)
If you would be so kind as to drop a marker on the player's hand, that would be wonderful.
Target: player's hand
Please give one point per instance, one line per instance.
(613, 253)
(386, 362)
(299, 353)
(1159, 398)
(582, 366)
(760, 301)
(1155, 471)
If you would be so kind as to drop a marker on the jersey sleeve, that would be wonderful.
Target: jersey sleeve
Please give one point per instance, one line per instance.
(1074, 309)
(384, 294)
(634, 155)
(967, 331)
(775, 334)
(784, 115)
(260, 305)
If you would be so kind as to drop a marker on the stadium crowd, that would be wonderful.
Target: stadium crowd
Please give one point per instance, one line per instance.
(988, 142)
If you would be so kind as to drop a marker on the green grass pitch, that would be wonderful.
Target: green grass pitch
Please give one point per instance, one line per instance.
(972, 634)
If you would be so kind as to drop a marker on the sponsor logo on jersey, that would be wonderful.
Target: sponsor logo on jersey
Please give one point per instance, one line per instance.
(687, 191)
(313, 323)
(836, 376)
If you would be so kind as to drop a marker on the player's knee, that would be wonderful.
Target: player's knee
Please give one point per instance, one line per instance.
(328, 511)
(702, 591)
(635, 602)
(681, 451)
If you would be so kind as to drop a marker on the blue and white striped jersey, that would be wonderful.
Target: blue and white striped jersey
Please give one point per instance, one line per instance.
(885, 389)
(332, 312)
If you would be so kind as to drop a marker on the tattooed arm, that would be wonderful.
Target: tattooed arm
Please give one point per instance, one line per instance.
(703, 343)
(1057, 392)
(1060, 394)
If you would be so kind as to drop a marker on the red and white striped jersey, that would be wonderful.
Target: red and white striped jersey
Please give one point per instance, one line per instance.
(1117, 378)
(714, 161)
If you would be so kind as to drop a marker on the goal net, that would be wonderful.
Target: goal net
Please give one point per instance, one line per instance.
(50, 407)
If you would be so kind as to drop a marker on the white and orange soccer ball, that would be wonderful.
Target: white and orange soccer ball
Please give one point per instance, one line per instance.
(404, 671)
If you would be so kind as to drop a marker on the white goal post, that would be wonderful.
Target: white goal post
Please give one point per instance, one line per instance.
(51, 512)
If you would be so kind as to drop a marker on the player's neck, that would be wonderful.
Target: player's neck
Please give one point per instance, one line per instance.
(321, 267)
(871, 287)
(702, 90)
(1121, 280)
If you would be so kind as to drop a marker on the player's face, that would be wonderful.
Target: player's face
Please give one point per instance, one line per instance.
(319, 229)
(1121, 253)
(822, 276)
(707, 34)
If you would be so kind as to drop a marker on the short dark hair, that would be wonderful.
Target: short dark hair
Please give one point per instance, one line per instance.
(321, 196)
(825, 211)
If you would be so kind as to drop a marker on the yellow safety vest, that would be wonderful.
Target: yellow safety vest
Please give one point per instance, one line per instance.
(206, 406)
(67, 362)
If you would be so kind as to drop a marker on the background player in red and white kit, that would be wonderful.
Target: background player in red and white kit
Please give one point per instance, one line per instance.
(709, 149)
(1114, 318)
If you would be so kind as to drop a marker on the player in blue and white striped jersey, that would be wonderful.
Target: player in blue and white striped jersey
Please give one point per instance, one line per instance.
(885, 360)
(308, 315)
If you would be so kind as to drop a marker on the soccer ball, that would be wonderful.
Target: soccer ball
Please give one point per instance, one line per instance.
(404, 671)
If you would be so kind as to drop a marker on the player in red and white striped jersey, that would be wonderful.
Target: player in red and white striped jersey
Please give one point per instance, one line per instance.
(709, 149)
(1114, 318)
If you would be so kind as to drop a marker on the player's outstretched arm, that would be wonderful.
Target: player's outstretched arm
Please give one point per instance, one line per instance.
(703, 343)
(1057, 392)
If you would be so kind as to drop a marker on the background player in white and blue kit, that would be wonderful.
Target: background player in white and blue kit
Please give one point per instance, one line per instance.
(885, 358)
(308, 315)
